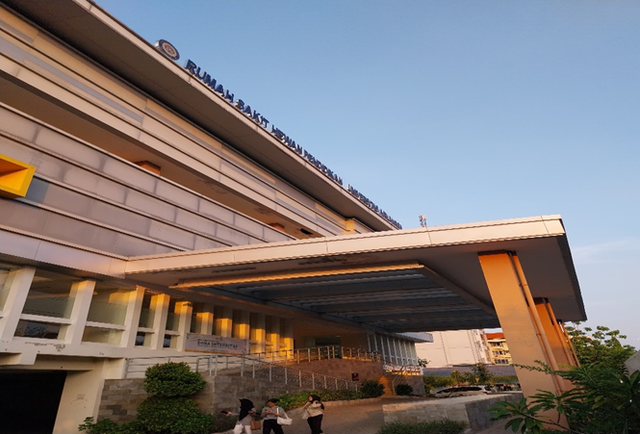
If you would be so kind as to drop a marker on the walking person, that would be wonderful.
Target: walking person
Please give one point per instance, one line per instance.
(245, 416)
(315, 410)
(270, 416)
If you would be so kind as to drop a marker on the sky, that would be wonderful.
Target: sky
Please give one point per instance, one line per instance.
(460, 110)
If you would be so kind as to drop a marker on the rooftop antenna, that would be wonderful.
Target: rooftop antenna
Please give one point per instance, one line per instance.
(423, 220)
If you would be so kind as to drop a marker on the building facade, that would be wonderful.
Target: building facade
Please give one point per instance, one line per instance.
(143, 204)
(499, 350)
(454, 347)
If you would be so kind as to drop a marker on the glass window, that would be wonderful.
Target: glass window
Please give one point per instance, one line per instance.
(196, 317)
(146, 313)
(109, 304)
(169, 341)
(36, 329)
(142, 339)
(50, 295)
(102, 335)
(172, 317)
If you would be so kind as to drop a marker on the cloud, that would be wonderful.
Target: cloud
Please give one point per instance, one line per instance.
(607, 252)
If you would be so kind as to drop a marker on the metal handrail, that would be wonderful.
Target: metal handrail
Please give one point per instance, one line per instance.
(301, 355)
(243, 366)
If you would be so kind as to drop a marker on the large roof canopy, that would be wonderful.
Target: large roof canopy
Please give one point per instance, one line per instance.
(425, 279)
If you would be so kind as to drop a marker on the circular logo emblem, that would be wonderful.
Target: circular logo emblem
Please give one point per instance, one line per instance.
(168, 49)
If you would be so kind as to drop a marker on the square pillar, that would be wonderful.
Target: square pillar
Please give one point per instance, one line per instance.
(562, 351)
(132, 317)
(241, 325)
(160, 308)
(519, 320)
(205, 322)
(259, 333)
(224, 322)
(15, 295)
(183, 311)
(81, 293)
(287, 337)
(273, 336)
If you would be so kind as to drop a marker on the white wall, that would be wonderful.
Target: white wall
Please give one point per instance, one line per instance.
(457, 347)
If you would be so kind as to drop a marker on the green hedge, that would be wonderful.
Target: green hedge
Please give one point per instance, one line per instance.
(173, 379)
(404, 389)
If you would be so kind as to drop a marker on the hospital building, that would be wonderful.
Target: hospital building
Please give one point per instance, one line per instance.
(147, 211)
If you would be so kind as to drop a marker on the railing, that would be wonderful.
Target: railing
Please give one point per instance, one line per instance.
(399, 374)
(301, 355)
(243, 366)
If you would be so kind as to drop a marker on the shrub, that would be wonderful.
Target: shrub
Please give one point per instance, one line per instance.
(338, 395)
(601, 401)
(107, 426)
(288, 402)
(173, 415)
(372, 389)
(404, 389)
(173, 379)
(439, 427)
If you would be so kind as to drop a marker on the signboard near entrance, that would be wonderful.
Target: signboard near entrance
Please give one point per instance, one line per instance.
(216, 344)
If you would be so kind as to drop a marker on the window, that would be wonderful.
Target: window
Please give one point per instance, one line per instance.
(109, 304)
(36, 329)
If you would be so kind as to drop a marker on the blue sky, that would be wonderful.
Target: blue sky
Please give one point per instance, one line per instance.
(463, 111)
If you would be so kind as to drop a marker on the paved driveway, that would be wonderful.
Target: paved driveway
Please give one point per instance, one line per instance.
(362, 418)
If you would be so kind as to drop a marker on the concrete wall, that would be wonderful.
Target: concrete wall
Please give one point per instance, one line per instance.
(456, 347)
(121, 398)
(342, 368)
(469, 409)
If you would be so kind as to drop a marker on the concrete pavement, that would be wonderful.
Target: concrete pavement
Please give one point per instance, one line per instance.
(356, 418)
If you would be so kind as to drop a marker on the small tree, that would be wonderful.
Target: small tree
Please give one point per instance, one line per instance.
(603, 399)
(172, 379)
(481, 373)
(601, 347)
(169, 410)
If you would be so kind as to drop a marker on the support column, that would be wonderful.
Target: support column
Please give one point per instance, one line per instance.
(206, 319)
(287, 338)
(259, 333)
(520, 321)
(224, 323)
(17, 289)
(241, 326)
(81, 294)
(184, 309)
(160, 308)
(80, 398)
(132, 317)
(273, 336)
(560, 346)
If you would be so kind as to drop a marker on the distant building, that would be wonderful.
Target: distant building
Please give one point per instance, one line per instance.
(498, 349)
(455, 347)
